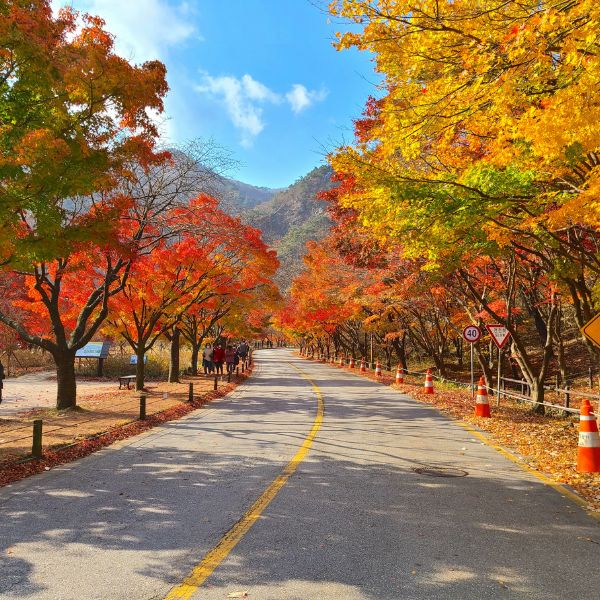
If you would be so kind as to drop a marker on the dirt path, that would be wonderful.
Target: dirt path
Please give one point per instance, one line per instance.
(38, 390)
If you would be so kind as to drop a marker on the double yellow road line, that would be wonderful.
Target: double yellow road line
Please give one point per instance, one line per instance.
(202, 571)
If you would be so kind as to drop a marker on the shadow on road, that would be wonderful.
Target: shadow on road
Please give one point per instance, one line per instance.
(354, 522)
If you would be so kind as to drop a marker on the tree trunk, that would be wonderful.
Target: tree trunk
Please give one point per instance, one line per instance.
(400, 349)
(194, 359)
(537, 395)
(488, 373)
(140, 369)
(439, 363)
(66, 396)
(174, 362)
(458, 344)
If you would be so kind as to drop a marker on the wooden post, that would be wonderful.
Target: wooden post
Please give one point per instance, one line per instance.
(216, 381)
(142, 407)
(591, 377)
(567, 395)
(237, 371)
(191, 393)
(228, 376)
(36, 446)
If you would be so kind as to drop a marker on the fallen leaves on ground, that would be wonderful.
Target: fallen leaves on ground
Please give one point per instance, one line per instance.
(13, 470)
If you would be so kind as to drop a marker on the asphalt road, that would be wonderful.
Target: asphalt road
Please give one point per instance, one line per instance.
(353, 522)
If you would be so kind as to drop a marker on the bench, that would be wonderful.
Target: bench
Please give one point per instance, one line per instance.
(125, 380)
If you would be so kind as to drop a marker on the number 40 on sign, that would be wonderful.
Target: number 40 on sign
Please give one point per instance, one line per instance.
(471, 333)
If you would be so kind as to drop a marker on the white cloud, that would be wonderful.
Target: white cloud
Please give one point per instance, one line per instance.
(255, 90)
(301, 98)
(144, 29)
(242, 99)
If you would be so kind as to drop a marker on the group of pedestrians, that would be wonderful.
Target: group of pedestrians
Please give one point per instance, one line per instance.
(217, 357)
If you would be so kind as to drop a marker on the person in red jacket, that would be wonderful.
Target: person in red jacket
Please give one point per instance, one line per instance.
(230, 358)
(218, 358)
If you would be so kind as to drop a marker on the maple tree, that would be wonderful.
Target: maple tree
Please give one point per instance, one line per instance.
(200, 321)
(75, 117)
(72, 114)
(201, 272)
(469, 193)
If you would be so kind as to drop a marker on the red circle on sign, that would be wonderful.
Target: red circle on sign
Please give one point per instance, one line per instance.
(471, 333)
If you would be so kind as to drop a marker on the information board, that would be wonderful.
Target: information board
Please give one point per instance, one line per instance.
(94, 350)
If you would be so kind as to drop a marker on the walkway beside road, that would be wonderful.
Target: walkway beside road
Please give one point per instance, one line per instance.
(362, 517)
(38, 390)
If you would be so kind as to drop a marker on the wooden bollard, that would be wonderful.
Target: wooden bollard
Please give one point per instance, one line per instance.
(36, 446)
(216, 381)
(237, 371)
(228, 376)
(191, 393)
(142, 407)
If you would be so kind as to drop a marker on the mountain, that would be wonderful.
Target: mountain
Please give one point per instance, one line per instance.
(239, 196)
(288, 218)
(291, 218)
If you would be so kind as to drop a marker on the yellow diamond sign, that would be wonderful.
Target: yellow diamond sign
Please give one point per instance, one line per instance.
(591, 330)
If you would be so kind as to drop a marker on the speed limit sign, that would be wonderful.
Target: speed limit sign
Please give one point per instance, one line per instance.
(471, 333)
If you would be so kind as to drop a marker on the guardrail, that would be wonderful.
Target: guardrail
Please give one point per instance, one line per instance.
(502, 392)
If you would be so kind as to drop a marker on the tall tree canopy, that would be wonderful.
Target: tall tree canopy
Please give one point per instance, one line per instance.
(73, 114)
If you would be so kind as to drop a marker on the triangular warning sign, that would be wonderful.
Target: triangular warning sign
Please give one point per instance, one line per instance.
(499, 333)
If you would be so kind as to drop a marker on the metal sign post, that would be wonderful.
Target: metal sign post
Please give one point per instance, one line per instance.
(472, 375)
(499, 376)
(472, 333)
(500, 335)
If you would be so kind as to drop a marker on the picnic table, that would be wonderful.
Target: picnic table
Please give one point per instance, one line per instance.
(125, 380)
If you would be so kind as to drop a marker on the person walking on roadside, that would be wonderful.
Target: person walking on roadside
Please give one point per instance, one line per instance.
(1, 380)
(230, 358)
(207, 359)
(218, 359)
(243, 350)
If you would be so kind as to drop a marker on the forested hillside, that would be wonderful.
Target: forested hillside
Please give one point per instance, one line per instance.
(240, 196)
(293, 217)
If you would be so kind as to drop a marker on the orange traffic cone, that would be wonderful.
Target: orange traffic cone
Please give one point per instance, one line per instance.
(482, 406)
(428, 382)
(399, 375)
(363, 368)
(588, 455)
(378, 369)
(351, 364)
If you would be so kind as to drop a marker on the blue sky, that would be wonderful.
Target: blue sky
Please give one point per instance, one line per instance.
(260, 77)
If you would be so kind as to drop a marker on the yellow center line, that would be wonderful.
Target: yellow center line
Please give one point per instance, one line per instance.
(202, 571)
